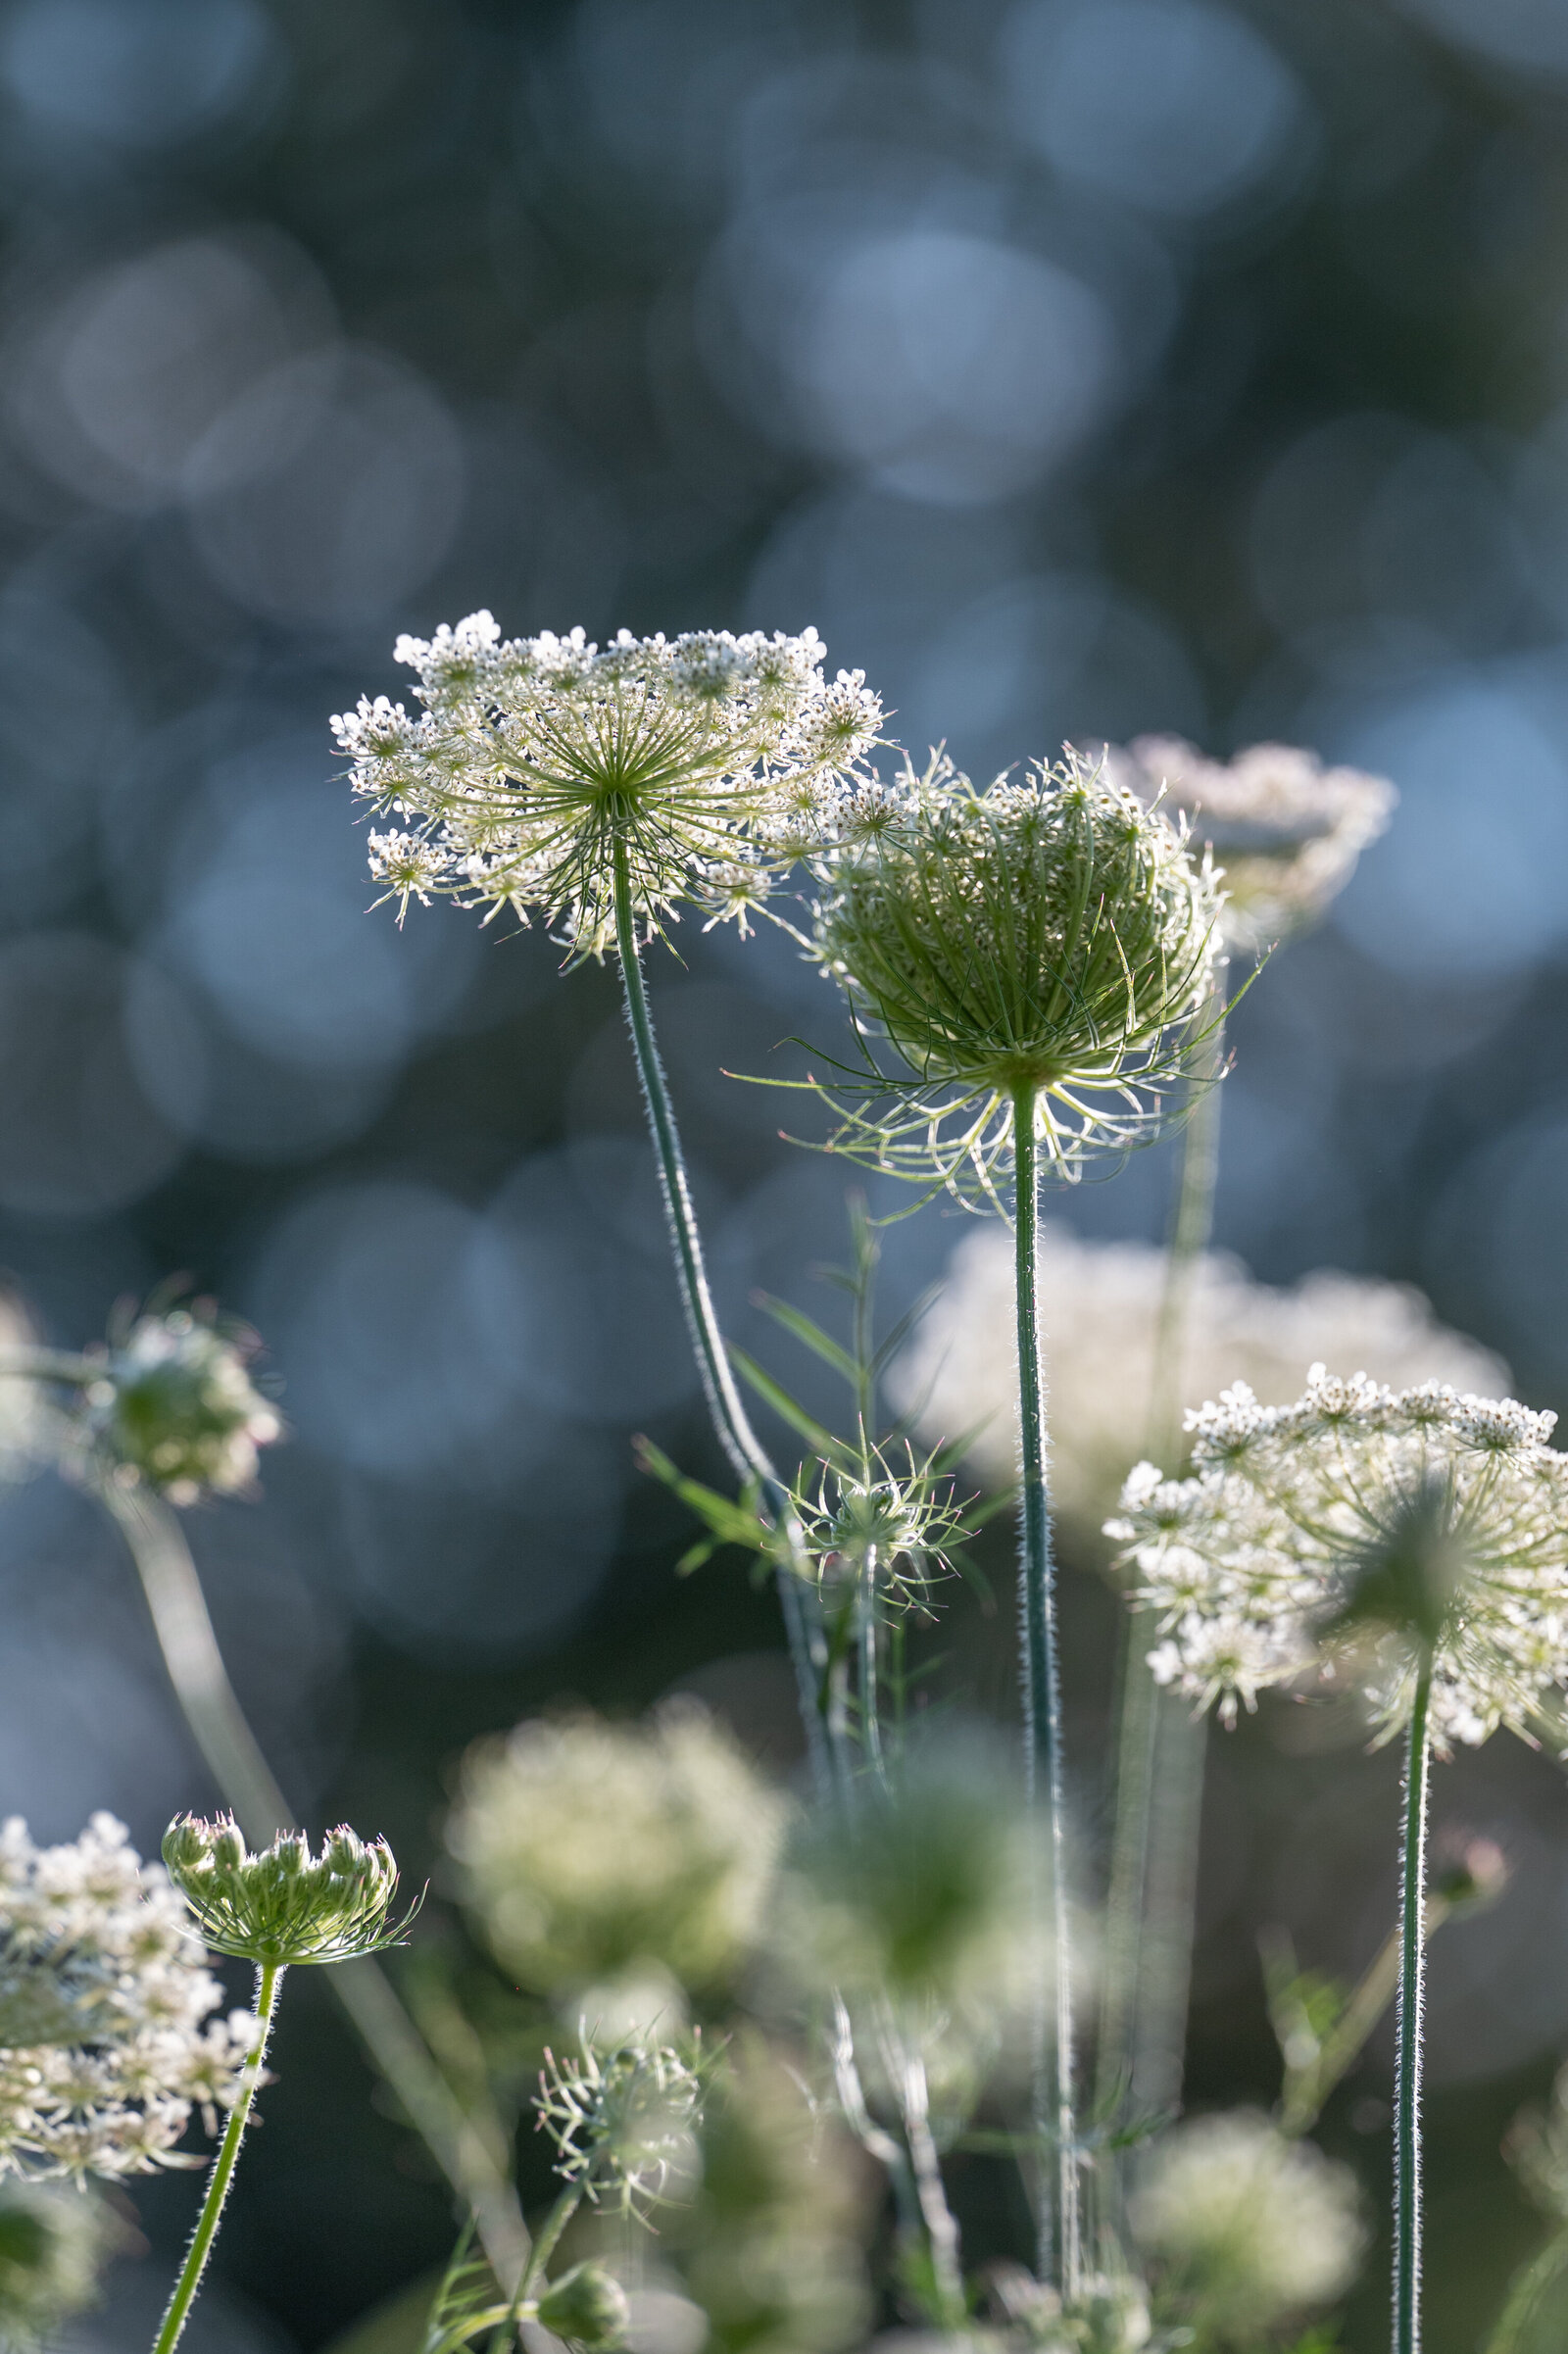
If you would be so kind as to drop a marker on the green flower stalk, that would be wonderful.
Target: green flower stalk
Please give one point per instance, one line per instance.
(602, 788)
(276, 1908)
(1026, 967)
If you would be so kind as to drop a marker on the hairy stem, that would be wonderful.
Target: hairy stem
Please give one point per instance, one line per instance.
(1407, 2059)
(269, 1977)
(1053, 2119)
(473, 2161)
(547, 2239)
(748, 1457)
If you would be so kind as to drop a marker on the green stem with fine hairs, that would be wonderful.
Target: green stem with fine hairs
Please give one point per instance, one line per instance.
(748, 1457)
(1161, 1749)
(1053, 2118)
(1408, 2056)
(269, 1977)
(474, 2160)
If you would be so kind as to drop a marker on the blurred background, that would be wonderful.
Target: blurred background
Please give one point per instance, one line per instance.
(1077, 366)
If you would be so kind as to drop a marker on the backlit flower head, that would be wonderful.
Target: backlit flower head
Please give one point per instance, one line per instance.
(1359, 1534)
(176, 1404)
(1051, 935)
(591, 1850)
(1286, 831)
(706, 763)
(1244, 2229)
(107, 2035)
(282, 1904)
(1100, 1306)
(890, 1521)
(623, 2123)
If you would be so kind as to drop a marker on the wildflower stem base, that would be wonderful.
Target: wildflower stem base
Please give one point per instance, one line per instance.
(268, 1979)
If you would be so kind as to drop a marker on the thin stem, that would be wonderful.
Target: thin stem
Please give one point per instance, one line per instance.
(1308, 2088)
(1053, 2119)
(473, 2161)
(1407, 2059)
(869, 1668)
(748, 1457)
(1161, 1750)
(546, 2240)
(269, 1977)
(1516, 2333)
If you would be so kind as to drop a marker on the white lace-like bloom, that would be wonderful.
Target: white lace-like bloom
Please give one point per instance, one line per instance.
(708, 761)
(1100, 1305)
(623, 2123)
(593, 1850)
(1286, 831)
(107, 2039)
(1246, 2228)
(1356, 1534)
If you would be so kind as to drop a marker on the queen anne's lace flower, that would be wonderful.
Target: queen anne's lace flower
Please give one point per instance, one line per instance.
(1051, 936)
(107, 2039)
(176, 1406)
(1358, 1532)
(1286, 831)
(708, 762)
(623, 2123)
(1100, 1306)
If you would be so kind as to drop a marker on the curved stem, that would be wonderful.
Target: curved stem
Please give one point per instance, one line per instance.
(1053, 2118)
(472, 2161)
(1407, 2061)
(269, 1977)
(748, 1457)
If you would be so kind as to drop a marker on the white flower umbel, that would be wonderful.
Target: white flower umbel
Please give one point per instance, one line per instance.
(1100, 1309)
(1412, 1543)
(107, 2036)
(1244, 2228)
(707, 760)
(1361, 1535)
(1286, 831)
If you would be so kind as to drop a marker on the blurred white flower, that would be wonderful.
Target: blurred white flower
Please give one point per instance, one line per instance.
(595, 1853)
(1100, 1306)
(107, 2040)
(1286, 831)
(1246, 2228)
(706, 763)
(1363, 1533)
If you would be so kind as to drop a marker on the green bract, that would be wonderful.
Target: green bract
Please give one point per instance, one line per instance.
(1049, 940)
(283, 1906)
(586, 2306)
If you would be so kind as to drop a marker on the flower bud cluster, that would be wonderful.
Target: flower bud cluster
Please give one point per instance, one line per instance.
(706, 763)
(1361, 1533)
(1287, 831)
(1051, 935)
(283, 1906)
(176, 1405)
(107, 2039)
(623, 2124)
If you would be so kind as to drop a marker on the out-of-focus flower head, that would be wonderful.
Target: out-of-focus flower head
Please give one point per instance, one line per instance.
(587, 2307)
(53, 2244)
(1361, 1534)
(707, 763)
(623, 2124)
(591, 1850)
(1106, 2317)
(107, 2039)
(284, 1905)
(32, 1430)
(1286, 831)
(1100, 1306)
(176, 1405)
(1052, 933)
(1245, 2229)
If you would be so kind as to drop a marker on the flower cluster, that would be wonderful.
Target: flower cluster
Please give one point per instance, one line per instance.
(1361, 1533)
(107, 2039)
(1286, 831)
(284, 1905)
(623, 2123)
(705, 766)
(591, 1850)
(176, 1405)
(1247, 2229)
(883, 1521)
(1100, 1304)
(1051, 938)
